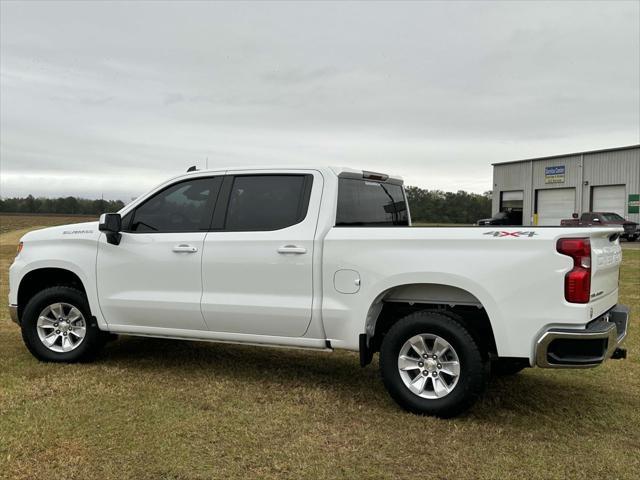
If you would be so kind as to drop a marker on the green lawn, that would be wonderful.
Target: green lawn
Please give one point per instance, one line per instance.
(150, 409)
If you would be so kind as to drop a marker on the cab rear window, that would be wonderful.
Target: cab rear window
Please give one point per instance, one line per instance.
(363, 203)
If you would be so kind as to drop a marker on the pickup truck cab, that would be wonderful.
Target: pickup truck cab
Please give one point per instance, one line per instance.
(324, 258)
(631, 230)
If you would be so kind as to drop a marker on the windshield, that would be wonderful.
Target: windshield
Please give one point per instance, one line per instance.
(612, 217)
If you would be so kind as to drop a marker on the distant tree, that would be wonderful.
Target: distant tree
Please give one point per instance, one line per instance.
(436, 206)
(67, 205)
(30, 204)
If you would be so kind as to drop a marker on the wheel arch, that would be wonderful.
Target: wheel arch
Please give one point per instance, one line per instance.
(43, 277)
(456, 302)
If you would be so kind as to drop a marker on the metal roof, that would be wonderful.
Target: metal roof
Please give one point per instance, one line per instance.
(629, 147)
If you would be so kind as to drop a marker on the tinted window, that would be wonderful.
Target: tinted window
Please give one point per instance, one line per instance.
(363, 203)
(183, 207)
(612, 217)
(126, 221)
(267, 202)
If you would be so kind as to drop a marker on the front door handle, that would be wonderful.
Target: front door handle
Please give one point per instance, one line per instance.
(292, 249)
(185, 248)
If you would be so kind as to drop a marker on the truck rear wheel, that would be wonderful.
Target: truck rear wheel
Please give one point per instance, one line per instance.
(431, 365)
(57, 326)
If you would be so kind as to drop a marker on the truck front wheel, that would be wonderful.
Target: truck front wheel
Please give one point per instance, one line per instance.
(57, 326)
(431, 365)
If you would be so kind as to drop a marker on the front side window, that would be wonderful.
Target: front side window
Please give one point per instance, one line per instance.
(183, 207)
(267, 202)
(363, 203)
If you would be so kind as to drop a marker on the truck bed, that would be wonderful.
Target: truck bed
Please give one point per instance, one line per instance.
(515, 274)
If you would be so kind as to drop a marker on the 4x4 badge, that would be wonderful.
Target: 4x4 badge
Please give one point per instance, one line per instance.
(503, 233)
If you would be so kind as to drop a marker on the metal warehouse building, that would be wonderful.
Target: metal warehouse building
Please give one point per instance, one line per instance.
(548, 189)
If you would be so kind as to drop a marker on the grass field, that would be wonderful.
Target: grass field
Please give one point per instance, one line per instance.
(150, 409)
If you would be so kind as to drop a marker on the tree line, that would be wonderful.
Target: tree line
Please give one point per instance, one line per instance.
(65, 205)
(436, 206)
(428, 206)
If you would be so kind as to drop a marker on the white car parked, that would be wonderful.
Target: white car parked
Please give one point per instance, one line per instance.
(323, 258)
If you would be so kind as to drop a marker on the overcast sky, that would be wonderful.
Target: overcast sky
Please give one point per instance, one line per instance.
(112, 98)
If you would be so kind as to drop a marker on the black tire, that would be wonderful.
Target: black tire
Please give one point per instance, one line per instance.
(93, 340)
(632, 239)
(503, 367)
(474, 370)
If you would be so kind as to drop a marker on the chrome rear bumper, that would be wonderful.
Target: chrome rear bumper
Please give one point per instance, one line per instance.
(570, 348)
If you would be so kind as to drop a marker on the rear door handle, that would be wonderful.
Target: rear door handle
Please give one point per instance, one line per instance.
(185, 248)
(292, 249)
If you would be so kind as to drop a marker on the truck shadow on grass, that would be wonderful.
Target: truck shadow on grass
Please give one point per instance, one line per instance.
(546, 397)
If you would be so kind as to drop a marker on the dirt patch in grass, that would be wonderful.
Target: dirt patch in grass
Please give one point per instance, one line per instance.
(150, 409)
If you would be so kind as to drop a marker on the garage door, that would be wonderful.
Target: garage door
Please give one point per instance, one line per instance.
(512, 199)
(511, 202)
(555, 204)
(608, 198)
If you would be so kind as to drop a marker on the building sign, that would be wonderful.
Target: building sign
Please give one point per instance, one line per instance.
(554, 174)
(634, 203)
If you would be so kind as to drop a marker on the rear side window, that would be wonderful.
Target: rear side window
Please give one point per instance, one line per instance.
(267, 202)
(362, 203)
(183, 207)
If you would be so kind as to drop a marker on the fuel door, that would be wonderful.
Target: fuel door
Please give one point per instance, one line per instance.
(346, 281)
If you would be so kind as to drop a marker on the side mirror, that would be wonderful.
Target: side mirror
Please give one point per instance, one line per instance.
(575, 216)
(111, 224)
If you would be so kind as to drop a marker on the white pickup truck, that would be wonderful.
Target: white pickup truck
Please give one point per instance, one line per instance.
(324, 258)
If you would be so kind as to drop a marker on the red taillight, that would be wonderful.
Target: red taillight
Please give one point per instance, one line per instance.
(577, 283)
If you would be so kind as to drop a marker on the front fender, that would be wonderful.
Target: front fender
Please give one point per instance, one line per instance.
(78, 257)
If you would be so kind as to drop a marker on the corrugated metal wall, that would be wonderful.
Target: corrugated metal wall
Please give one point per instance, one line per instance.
(620, 167)
(572, 179)
(615, 167)
(513, 176)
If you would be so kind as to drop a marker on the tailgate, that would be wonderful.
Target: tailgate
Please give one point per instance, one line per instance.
(606, 256)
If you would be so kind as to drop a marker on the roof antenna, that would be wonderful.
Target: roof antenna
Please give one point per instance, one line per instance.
(192, 168)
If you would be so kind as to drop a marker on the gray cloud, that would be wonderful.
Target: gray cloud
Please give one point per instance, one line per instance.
(298, 76)
(100, 97)
(171, 98)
